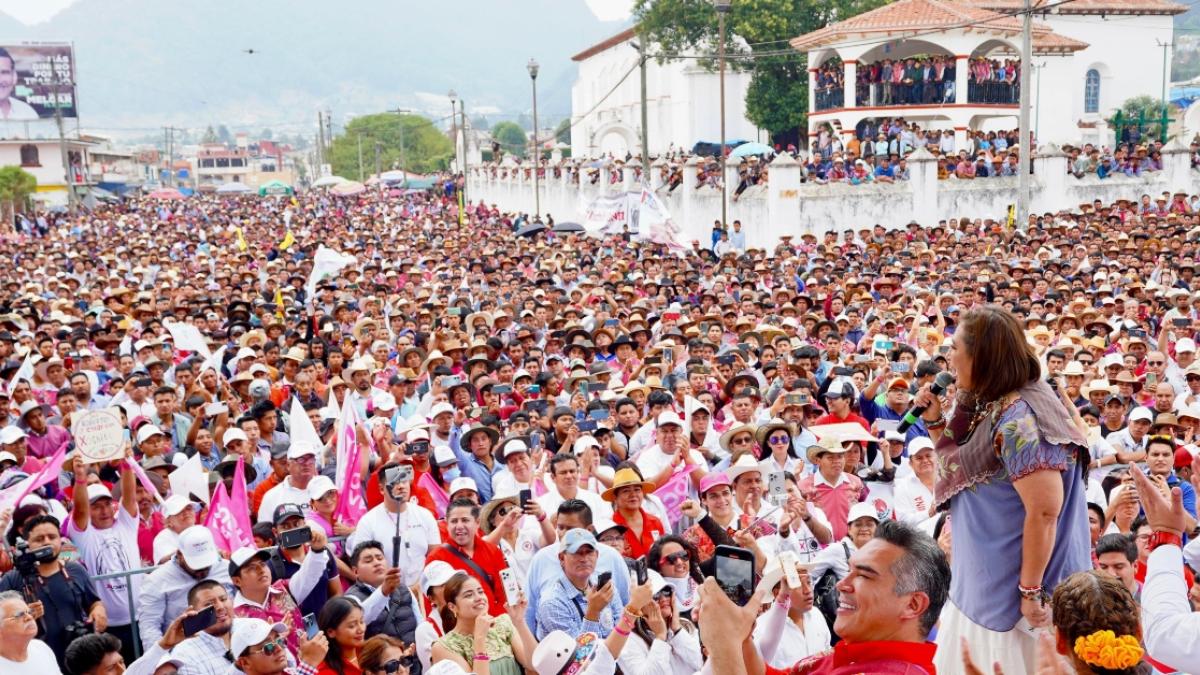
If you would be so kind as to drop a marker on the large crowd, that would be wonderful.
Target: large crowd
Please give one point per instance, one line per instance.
(377, 435)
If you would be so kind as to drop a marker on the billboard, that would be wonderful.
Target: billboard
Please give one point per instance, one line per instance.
(34, 78)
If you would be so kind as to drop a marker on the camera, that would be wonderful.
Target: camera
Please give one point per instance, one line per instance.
(74, 631)
(27, 561)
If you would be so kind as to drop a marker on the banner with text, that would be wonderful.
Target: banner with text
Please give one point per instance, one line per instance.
(41, 78)
(641, 213)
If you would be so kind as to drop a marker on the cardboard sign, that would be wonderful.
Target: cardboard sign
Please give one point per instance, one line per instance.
(99, 436)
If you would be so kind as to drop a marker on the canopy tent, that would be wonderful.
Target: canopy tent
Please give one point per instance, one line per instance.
(348, 189)
(328, 181)
(166, 193)
(234, 189)
(275, 187)
(749, 149)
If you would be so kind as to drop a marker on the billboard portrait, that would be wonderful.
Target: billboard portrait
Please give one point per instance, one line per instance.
(34, 78)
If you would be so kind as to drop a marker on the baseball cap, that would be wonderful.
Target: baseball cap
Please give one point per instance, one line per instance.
(279, 449)
(7, 456)
(318, 486)
(1141, 413)
(603, 525)
(301, 449)
(248, 632)
(1185, 345)
(898, 383)
(514, 446)
(558, 652)
(148, 431)
(198, 548)
(232, 435)
(440, 408)
(712, 480)
(584, 442)
(463, 483)
(669, 417)
(98, 491)
(175, 504)
(285, 511)
(918, 444)
(11, 434)
(862, 510)
(244, 555)
(561, 411)
(576, 539)
(436, 573)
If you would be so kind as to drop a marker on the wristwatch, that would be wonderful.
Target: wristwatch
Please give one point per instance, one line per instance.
(1163, 538)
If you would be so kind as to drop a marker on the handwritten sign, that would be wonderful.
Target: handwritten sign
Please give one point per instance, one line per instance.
(98, 435)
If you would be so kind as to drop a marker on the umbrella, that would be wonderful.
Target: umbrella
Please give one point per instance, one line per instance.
(275, 187)
(233, 189)
(568, 227)
(393, 177)
(530, 229)
(747, 149)
(348, 189)
(328, 181)
(166, 193)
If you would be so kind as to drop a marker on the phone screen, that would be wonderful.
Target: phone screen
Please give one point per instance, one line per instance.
(735, 573)
(199, 621)
(310, 625)
(526, 497)
(603, 579)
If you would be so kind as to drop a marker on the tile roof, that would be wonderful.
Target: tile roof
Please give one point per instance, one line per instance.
(908, 16)
(1089, 6)
(613, 41)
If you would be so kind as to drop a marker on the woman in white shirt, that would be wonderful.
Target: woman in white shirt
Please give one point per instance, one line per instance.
(518, 534)
(662, 642)
(775, 450)
(792, 628)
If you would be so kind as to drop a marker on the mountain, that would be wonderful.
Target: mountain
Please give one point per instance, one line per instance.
(269, 63)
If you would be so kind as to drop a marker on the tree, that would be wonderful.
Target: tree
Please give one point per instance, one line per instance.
(265, 135)
(210, 136)
(223, 135)
(16, 185)
(777, 99)
(426, 149)
(1138, 118)
(480, 122)
(511, 138)
(563, 133)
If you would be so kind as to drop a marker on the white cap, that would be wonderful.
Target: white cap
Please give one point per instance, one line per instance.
(232, 435)
(584, 442)
(98, 491)
(443, 455)
(11, 434)
(6, 456)
(513, 447)
(436, 573)
(417, 435)
(462, 483)
(383, 400)
(301, 449)
(198, 548)
(147, 431)
(918, 444)
(1185, 345)
(669, 417)
(440, 408)
(175, 504)
(318, 486)
(1141, 413)
(558, 650)
(862, 510)
(249, 632)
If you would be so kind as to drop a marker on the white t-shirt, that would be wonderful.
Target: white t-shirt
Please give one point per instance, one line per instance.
(106, 551)
(912, 500)
(418, 531)
(39, 660)
(283, 493)
(552, 500)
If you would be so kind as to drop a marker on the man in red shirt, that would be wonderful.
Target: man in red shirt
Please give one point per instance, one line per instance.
(838, 400)
(468, 552)
(897, 585)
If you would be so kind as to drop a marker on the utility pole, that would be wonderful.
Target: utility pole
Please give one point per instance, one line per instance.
(462, 106)
(378, 149)
(1166, 47)
(400, 113)
(532, 67)
(641, 47)
(360, 166)
(169, 136)
(1023, 206)
(723, 7)
(321, 143)
(62, 138)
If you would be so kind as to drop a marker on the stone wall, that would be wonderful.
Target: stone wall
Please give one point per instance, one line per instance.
(788, 207)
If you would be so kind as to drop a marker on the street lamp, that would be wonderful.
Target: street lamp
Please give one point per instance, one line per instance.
(454, 125)
(722, 7)
(532, 67)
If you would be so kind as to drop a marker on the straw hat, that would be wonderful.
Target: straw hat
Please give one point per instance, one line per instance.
(625, 478)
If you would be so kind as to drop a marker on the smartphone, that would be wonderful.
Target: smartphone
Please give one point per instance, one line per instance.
(943, 349)
(535, 439)
(1181, 322)
(310, 625)
(612, 322)
(669, 357)
(598, 414)
(295, 538)
(735, 573)
(418, 448)
(637, 570)
(586, 425)
(777, 487)
(451, 381)
(787, 560)
(399, 474)
(526, 496)
(900, 367)
(501, 389)
(725, 359)
(584, 386)
(512, 586)
(214, 409)
(1151, 379)
(743, 347)
(603, 579)
(533, 389)
(454, 311)
(862, 358)
(199, 621)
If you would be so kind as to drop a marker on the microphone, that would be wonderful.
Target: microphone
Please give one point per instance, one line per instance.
(943, 380)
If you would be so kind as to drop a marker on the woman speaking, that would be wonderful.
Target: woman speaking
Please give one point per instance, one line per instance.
(1010, 469)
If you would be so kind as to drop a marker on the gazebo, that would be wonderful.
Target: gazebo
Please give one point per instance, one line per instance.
(949, 38)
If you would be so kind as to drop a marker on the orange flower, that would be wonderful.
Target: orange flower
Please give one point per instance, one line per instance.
(1105, 649)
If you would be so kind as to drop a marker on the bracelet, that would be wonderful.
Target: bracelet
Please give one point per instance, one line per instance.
(481, 656)
(939, 423)
(622, 633)
(542, 518)
(1030, 592)
(1164, 538)
(632, 614)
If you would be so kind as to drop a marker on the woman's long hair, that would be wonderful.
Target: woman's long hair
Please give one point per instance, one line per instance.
(449, 593)
(655, 554)
(1090, 601)
(1002, 360)
(370, 657)
(332, 615)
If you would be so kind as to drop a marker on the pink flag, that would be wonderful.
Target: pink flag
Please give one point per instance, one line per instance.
(239, 502)
(12, 496)
(227, 533)
(440, 499)
(143, 478)
(352, 503)
(674, 492)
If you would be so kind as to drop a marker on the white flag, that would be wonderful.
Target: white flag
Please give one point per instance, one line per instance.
(189, 338)
(25, 372)
(326, 263)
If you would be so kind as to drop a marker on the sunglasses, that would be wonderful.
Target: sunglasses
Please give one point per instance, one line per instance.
(779, 439)
(273, 646)
(743, 441)
(391, 666)
(1156, 363)
(674, 558)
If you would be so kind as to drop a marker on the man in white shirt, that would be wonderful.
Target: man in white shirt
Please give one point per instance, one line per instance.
(302, 468)
(517, 474)
(20, 652)
(399, 520)
(1130, 442)
(913, 497)
(164, 593)
(658, 462)
(564, 473)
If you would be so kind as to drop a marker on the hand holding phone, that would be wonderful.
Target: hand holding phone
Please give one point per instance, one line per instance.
(200, 621)
(735, 573)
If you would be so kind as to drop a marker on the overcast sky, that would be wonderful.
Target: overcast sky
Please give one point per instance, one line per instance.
(36, 11)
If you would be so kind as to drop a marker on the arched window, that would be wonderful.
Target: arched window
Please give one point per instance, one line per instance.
(29, 156)
(1091, 91)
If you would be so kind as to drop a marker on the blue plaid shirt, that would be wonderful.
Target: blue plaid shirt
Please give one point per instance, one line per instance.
(563, 608)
